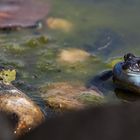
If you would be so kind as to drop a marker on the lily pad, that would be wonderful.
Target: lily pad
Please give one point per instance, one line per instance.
(21, 13)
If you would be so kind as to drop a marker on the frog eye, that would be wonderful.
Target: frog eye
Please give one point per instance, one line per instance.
(128, 56)
(138, 62)
(126, 66)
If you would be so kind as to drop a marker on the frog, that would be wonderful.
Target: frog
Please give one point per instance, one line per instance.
(25, 113)
(125, 75)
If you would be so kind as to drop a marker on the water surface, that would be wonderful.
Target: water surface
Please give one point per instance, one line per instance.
(104, 28)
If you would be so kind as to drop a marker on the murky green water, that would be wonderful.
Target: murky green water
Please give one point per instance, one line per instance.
(104, 28)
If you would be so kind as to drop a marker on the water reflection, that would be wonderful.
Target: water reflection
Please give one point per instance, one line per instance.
(126, 96)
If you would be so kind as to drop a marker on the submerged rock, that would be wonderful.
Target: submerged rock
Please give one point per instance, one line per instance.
(21, 13)
(65, 96)
(59, 24)
(73, 55)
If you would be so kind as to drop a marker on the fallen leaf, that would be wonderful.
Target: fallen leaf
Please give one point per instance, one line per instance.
(21, 13)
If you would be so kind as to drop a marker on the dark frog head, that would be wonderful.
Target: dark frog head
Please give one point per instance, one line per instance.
(126, 74)
(131, 63)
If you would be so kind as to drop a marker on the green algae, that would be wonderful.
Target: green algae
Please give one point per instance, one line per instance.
(47, 65)
(91, 99)
(37, 42)
(47, 61)
(111, 63)
(18, 64)
(15, 49)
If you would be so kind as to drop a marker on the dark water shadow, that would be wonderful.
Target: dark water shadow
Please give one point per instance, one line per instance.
(126, 95)
(103, 82)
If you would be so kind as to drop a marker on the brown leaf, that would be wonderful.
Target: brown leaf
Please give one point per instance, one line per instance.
(21, 13)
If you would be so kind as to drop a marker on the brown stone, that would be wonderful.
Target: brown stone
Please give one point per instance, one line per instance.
(28, 114)
(65, 96)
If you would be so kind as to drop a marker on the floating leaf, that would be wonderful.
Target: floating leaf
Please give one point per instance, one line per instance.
(21, 13)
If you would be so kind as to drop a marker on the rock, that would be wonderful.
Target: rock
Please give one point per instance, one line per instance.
(27, 113)
(65, 96)
(73, 55)
(59, 24)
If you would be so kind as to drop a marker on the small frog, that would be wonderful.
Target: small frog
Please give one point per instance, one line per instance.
(125, 75)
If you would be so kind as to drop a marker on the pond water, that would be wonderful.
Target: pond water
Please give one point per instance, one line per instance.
(104, 28)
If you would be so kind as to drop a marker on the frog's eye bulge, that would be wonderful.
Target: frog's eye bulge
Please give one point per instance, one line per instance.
(128, 56)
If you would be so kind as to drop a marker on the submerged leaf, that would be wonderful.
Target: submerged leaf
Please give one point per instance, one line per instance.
(21, 13)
